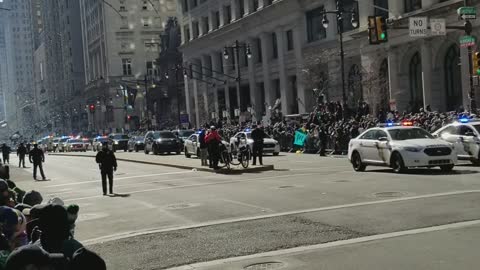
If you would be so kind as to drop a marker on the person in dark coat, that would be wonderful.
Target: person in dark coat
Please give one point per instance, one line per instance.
(257, 136)
(37, 157)
(213, 140)
(108, 164)
(21, 152)
(6, 153)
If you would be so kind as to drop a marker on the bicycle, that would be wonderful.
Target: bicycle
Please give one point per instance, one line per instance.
(243, 156)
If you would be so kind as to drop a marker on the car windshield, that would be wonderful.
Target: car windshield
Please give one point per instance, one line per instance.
(163, 135)
(477, 127)
(102, 139)
(185, 133)
(64, 139)
(409, 134)
(120, 137)
(74, 141)
(139, 138)
(56, 140)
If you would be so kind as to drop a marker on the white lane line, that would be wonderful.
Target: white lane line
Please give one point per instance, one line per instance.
(128, 185)
(263, 209)
(279, 214)
(303, 249)
(220, 182)
(119, 178)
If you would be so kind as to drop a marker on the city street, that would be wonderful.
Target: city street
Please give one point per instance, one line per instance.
(165, 217)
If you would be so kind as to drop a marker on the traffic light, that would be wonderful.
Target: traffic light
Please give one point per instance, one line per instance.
(476, 63)
(91, 107)
(129, 117)
(382, 29)
(377, 30)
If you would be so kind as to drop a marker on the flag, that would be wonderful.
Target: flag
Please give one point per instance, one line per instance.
(300, 138)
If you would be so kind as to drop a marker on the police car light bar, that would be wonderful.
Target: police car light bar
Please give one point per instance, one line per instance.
(391, 124)
(407, 123)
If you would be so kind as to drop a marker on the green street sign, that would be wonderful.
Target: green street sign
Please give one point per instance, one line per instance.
(467, 13)
(467, 41)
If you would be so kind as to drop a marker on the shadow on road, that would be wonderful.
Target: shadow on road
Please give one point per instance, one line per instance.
(126, 195)
(426, 172)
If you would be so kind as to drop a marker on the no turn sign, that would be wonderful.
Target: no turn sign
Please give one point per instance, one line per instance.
(418, 26)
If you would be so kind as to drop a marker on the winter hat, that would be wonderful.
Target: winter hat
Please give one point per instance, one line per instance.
(32, 198)
(56, 200)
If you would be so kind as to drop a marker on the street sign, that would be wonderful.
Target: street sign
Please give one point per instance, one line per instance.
(467, 13)
(184, 118)
(467, 41)
(418, 27)
(438, 27)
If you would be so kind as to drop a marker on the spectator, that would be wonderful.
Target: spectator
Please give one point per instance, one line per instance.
(34, 257)
(32, 198)
(85, 259)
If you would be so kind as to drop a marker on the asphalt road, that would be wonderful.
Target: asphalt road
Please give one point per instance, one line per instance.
(163, 217)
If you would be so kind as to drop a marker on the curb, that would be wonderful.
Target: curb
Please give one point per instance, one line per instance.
(185, 167)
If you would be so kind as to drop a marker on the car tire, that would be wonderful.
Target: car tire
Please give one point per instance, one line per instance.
(357, 163)
(130, 150)
(447, 168)
(136, 148)
(187, 155)
(276, 153)
(397, 163)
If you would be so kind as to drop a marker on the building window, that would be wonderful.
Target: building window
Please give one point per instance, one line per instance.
(145, 5)
(122, 8)
(412, 5)
(186, 33)
(217, 19)
(259, 50)
(145, 22)
(206, 25)
(124, 22)
(228, 14)
(127, 66)
(255, 5)
(196, 29)
(152, 69)
(415, 76)
(381, 4)
(241, 8)
(185, 6)
(194, 3)
(274, 46)
(315, 30)
(453, 79)
(289, 35)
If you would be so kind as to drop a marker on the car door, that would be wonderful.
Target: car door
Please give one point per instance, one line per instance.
(383, 146)
(189, 143)
(451, 134)
(366, 146)
(195, 144)
(467, 141)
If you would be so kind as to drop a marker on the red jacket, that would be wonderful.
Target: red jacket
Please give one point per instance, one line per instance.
(212, 136)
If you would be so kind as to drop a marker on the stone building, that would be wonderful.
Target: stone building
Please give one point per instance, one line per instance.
(292, 53)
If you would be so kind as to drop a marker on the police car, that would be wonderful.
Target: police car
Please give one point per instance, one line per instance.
(400, 146)
(270, 145)
(464, 135)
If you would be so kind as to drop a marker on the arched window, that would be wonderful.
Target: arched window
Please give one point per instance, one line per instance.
(453, 81)
(384, 95)
(355, 91)
(415, 77)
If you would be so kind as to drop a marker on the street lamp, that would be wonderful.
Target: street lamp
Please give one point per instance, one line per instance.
(339, 12)
(236, 48)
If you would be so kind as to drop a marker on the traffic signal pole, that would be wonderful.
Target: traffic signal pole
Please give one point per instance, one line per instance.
(468, 31)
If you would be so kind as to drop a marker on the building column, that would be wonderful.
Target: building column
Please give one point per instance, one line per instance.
(261, 4)
(210, 21)
(267, 83)
(221, 11)
(396, 7)
(298, 40)
(426, 55)
(201, 27)
(195, 93)
(246, 7)
(235, 9)
(190, 26)
(465, 73)
(204, 62)
(216, 67)
(364, 10)
(285, 94)
(226, 88)
(254, 94)
(393, 75)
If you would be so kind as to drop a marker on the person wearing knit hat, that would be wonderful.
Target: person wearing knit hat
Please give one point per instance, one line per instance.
(32, 198)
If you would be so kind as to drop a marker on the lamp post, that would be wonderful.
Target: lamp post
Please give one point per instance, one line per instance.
(236, 49)
(339, 12)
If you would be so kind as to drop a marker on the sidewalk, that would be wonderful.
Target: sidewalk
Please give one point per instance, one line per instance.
(174, 161)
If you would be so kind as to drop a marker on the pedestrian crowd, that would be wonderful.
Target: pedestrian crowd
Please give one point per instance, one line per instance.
(35, 234)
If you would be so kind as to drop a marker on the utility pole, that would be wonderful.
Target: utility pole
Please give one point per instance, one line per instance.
(468, 31)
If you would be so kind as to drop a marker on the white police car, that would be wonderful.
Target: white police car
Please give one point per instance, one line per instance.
(270, 145)
(465, 136)
(400, 147)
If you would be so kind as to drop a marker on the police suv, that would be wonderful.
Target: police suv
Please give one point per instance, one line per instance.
(464, 135)
(400, 146)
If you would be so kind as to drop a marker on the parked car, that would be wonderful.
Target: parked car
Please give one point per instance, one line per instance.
(75, 145)
(161, 142)
(118, 141)
(136, 143)
(98, 142)
(88, 143)
(191, 146)
(269, 145)
(62, 144)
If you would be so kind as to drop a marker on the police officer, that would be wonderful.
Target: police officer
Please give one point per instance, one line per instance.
(6, 153)
(21, 152)
(107, 164)
(258, 135)
(37, 157)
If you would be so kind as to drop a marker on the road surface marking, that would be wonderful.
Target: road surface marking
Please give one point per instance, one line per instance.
(200, 184)
(248, 205)
(119, 178)
(303, 249)
(279, 214)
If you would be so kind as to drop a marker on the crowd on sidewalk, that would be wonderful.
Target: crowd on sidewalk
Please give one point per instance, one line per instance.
(39, 235)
